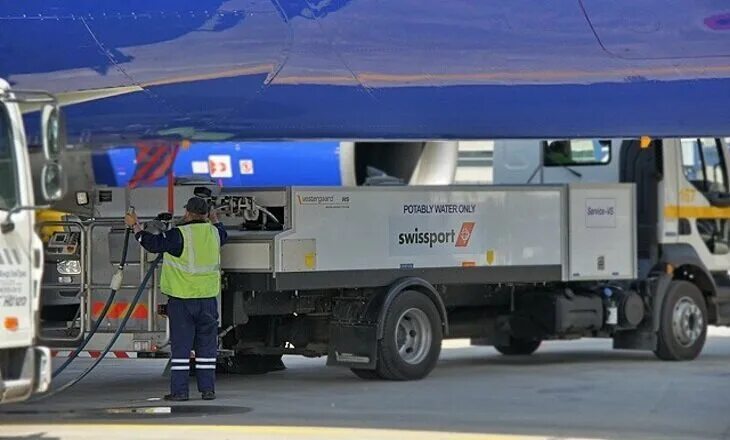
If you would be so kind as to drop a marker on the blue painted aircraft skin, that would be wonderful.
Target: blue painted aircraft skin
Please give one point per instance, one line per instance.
(416, 69)
(271, 164)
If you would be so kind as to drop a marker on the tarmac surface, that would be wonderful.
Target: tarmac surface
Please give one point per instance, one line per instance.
(568, 389)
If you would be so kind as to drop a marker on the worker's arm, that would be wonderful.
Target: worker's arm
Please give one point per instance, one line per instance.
(221, 232)
(213, 216)
(169, 241)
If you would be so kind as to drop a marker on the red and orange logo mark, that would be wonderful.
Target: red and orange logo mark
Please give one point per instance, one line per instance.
(465, 234)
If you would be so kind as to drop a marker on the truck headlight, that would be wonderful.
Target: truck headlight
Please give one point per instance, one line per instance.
(69, 267)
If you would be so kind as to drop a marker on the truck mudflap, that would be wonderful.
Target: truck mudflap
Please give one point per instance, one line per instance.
(353, 346)
(34, 375)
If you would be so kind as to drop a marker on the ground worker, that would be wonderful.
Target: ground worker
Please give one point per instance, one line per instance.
(191, 280)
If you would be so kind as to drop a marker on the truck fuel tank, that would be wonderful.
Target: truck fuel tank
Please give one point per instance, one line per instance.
(545, 314)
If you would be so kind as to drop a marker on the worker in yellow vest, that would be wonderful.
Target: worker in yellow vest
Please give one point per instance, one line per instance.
(191, 279)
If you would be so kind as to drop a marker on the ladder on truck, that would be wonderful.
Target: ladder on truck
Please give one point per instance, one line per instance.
(146, 334)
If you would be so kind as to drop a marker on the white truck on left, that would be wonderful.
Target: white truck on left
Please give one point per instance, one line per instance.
(25, 368)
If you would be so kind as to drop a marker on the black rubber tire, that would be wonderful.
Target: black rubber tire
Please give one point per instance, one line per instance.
(365, 374)
(668, 347)
(390, 365)
(519, 347)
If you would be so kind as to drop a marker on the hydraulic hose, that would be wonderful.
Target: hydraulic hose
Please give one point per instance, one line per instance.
(119, 331)
(114, 286)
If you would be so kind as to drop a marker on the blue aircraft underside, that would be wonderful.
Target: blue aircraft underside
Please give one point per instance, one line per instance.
(246, 164)
(255, 69)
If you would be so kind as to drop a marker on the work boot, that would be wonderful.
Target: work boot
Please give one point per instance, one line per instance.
(176, 397)
(208, 395)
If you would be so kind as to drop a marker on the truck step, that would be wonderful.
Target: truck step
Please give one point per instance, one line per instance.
(723, 313)
(722, 303)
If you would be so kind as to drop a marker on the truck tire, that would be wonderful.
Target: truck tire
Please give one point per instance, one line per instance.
(683, 323)
(519, 347)
(412, 337)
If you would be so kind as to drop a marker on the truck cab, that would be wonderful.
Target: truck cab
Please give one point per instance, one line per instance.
(683, 201)
(24, 367)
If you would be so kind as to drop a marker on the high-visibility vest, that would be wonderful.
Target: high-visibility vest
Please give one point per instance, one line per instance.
(196, 273)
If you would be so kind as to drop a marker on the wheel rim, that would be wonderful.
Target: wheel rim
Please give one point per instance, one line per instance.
(413, 336)
(687, 322)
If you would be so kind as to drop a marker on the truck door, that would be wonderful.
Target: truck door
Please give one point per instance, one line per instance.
(704, 200)
(16, 319)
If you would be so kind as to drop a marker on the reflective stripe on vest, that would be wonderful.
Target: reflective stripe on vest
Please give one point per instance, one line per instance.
(196, 272)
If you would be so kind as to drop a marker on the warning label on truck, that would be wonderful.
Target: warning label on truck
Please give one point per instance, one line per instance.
(439, 208)
(12, 293)
(600, 213)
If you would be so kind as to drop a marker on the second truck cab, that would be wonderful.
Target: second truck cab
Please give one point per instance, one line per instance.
(25, 368)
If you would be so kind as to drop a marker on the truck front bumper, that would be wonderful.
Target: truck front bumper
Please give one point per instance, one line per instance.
(34, 367)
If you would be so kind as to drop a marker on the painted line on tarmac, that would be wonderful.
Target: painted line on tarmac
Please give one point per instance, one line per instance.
(182, 432)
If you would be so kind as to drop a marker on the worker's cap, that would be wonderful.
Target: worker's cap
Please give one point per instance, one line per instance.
(196, 205)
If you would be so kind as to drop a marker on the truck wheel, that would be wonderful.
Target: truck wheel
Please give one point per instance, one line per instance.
(412, 337)
(365, 374)
(519, 347)
(683, 323)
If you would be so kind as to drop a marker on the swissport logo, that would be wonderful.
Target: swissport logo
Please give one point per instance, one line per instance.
(465, 234)
(435, 238)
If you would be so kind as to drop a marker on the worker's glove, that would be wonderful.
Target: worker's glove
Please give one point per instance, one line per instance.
(130, 219)
(213, 216)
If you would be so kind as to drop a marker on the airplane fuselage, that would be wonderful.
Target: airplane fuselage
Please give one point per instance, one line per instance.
(371, 69)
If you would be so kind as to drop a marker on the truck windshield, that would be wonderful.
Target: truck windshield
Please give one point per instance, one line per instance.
(8, 172)
(560, 153)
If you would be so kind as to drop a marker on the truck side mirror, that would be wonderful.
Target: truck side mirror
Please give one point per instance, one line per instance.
(51, 132)
(52, 181)
(52, 138)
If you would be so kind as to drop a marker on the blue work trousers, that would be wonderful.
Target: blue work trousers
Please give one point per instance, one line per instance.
(193, 324)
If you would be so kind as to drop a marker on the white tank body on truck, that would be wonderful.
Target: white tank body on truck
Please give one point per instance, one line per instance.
(25, 368)
(627, 239)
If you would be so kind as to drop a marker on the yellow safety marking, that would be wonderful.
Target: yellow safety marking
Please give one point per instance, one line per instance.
(708, 212)
(490, 256)
(287, 431)
(49, 215)
(310, 260)
(645, 142)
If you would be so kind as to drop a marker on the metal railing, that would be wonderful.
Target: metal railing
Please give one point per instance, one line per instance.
(79, 227)
(89, 284)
